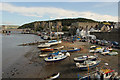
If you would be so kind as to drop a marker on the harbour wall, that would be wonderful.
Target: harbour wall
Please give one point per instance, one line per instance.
(110, 36)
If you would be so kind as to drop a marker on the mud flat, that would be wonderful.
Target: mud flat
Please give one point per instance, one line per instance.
(32, 66)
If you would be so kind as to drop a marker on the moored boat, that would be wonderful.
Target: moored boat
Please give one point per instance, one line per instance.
(71, 50)
(47, 49)
(103, 74)
(113, 53)
(43, 45)
(105, 52)
(54, 76)
(87, 64)
(43, 55)
(53, 42)
(84, 58)
(59, 48)
(58, 57)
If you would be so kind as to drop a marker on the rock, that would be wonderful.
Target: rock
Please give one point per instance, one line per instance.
(13, 74)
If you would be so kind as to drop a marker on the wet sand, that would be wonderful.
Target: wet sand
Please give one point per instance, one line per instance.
(32, 66)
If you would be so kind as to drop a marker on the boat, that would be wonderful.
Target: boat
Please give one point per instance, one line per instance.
(74, 49)
(93, 47)
(50, 54)
(113, 53)
(110, 49)
(53, 42)
(84, 58)
(58, 57)
(54, 76)
(87, 64)
(71, 50)
(45, 37)
(99, 50)
(91, 51)
(59, 48)
(105, 52)
(103, 74)
(43, 55)
(54, 53)
(43, 45)
(47, 49)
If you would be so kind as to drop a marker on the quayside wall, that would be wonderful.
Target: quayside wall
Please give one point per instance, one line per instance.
(110, 36)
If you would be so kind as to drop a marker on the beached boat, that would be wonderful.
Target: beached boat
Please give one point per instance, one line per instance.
(84, 58)
(57, 57)
(91, 51)
(54, 76)
(99, 50)
(105, 52)
(54, 53)
(110, 49)
(113, 53)
(87, 64)
(59, 48)
(74, 49)
(93, 47)
(43, 45)
(43, 55)
(53, 42)
(71, 50)
(47, 49)
(103, 74)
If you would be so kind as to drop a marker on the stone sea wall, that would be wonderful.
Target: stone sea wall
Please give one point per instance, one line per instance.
(110, 36)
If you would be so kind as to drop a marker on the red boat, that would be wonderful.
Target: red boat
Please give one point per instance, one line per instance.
(47, 49)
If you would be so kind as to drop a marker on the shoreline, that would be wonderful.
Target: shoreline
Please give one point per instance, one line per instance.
(32, 66)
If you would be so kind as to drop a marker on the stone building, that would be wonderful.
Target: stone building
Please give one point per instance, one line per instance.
(84, 25)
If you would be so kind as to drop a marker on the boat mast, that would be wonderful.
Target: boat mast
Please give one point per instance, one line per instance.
(88, 70)
(57, 34)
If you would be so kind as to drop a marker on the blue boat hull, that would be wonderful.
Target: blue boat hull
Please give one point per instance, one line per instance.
(56, 60)
(81, 61)
(86, 68)
(73, 50)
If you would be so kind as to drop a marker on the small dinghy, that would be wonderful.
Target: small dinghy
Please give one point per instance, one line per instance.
(43, 55)
(53, 42)
(105, 52)
(59, 48)
(43, 45)
(93, 47)
(87, 64)
(103, 74)
(99, 50)
(74, 49)
(71, 50)
(54, 76)
(47, 49)
(113, 53)
(83, 58)
(58, 57)
(91, 51)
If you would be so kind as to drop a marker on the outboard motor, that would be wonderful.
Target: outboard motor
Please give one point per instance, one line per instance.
(68, 54)
(77, 64)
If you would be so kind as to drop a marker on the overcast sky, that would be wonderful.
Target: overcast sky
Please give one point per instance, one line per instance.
(19, 13)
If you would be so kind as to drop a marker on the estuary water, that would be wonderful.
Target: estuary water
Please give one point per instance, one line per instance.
(11, 52)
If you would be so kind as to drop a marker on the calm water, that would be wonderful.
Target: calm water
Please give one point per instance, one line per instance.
(11, 52)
